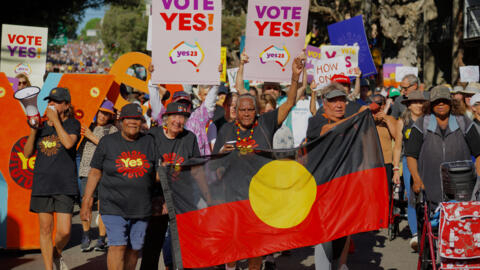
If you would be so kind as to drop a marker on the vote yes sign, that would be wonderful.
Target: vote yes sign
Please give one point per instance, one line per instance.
(24, 50)
(275, 35)
(186, 38)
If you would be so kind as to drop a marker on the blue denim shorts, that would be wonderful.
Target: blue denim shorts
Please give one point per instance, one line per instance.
(125, 232)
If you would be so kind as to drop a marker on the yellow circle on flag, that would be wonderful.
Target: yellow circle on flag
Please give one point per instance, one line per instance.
(282, 193)
(2, 92)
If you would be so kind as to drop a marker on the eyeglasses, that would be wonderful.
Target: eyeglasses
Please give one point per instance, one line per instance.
(406, 87)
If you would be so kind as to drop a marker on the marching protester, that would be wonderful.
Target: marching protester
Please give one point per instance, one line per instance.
(102, 126)
(55, 174)
(408, 84)
(23, 81)
(414, 104)
(475, 103)
(467, 94)
(250, 131)
(441, 135)
(124, 165)
(174, 145)
(334, 99)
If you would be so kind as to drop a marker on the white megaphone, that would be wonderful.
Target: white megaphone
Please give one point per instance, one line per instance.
(28, 97)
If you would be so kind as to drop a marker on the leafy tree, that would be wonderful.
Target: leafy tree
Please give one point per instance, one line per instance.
(93, 24)
(124, 29)
(54, 14)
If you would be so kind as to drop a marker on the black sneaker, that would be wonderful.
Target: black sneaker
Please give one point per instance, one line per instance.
(270, 266)
(85, 247)
(100, 245)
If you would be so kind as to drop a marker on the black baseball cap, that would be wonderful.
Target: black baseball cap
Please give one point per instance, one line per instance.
(131, 110)
(59, 94)
(177, 108)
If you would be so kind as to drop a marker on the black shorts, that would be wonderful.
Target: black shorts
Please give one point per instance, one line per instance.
(52, 203)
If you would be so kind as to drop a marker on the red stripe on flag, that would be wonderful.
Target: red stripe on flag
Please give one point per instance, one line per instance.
(350, 204)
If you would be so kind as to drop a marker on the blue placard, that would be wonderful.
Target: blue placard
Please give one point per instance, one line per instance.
(350, 32)
(51, 82)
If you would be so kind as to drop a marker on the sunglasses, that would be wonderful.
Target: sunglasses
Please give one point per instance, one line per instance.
(22, 82)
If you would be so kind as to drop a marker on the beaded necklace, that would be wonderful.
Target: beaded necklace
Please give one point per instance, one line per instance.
(251, 132)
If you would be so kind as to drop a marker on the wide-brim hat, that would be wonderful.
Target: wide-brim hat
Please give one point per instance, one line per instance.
(181, 95)
(107, 106)
(414, 96)
(177, 108)
(131, 110)
(440, 92)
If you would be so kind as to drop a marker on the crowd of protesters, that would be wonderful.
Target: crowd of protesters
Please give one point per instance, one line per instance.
(78, 57)
(418, 127)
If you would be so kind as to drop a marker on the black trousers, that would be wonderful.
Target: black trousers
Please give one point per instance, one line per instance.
(154, 237)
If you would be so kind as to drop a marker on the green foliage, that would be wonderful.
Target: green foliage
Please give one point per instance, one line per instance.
(54, 14)
(124, 29)
(233, 28)
(93, 24)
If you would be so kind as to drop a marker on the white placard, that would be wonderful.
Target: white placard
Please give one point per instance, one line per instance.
(232, 76)
(403, 71)
(324, 70)
(469, 74)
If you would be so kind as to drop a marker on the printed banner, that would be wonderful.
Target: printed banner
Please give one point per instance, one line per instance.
(325, 69)
(186, 39)
(389, 75)
(469, 74)
(403, 71)
(275, 36)
(349, 53)
(24, 50)
(352, 32)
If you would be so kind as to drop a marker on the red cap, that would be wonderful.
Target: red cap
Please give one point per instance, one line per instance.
(340, 78)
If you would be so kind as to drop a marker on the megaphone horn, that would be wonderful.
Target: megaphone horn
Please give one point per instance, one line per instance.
(28, 97)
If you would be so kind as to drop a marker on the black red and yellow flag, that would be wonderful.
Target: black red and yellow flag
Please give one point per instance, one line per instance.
(252, 203)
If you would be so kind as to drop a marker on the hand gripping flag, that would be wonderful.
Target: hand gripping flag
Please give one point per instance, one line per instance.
(250, 203)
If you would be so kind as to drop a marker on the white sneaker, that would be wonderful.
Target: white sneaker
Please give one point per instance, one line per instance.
(60, 264)
(414, 242)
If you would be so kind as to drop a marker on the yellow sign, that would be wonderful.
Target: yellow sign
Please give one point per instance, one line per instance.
(223, 61)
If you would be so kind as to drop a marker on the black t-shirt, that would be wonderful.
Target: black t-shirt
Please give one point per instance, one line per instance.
(315, 125)
(175, 151)
(414, 143)
(128, 174)
(262, 133)
(55, 167)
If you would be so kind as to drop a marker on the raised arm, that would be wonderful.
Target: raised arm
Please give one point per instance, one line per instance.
(239, 79)
(302, 87)
(67, 140)
(297, 68)
(156, 93)
(313, 99)
(29, 147)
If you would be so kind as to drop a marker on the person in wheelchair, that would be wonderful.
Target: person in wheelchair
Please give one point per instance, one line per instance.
(443, 134)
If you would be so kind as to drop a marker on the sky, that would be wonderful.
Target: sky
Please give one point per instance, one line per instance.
(90, 14)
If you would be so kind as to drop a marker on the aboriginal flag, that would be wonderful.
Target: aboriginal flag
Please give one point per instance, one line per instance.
(252, 203)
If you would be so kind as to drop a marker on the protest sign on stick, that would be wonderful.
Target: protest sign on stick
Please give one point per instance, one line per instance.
(389, 75)
(352, 32)
(275, 36)
(232, 76)
(469, 74)
(403, 71)
(325, 68)
(223, 62)
(186, 41)
(24, 50)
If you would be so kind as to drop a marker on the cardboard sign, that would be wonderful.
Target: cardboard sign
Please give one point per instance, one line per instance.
(223, 62)
(325, 68)
(350, 53)
(313, 55)
(232, 76)
(24, 50)
(403, 71)
(275, 36)
(389, 75)
(21, 224)
(13, 83)
(186, 41)
(469, 74)
(352, 32)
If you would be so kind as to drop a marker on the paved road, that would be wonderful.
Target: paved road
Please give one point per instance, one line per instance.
(373, 251)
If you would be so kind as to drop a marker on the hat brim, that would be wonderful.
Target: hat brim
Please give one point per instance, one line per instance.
(334, 94)
(406, 101)
(187, 114)
(177, 99)
(106, 110)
